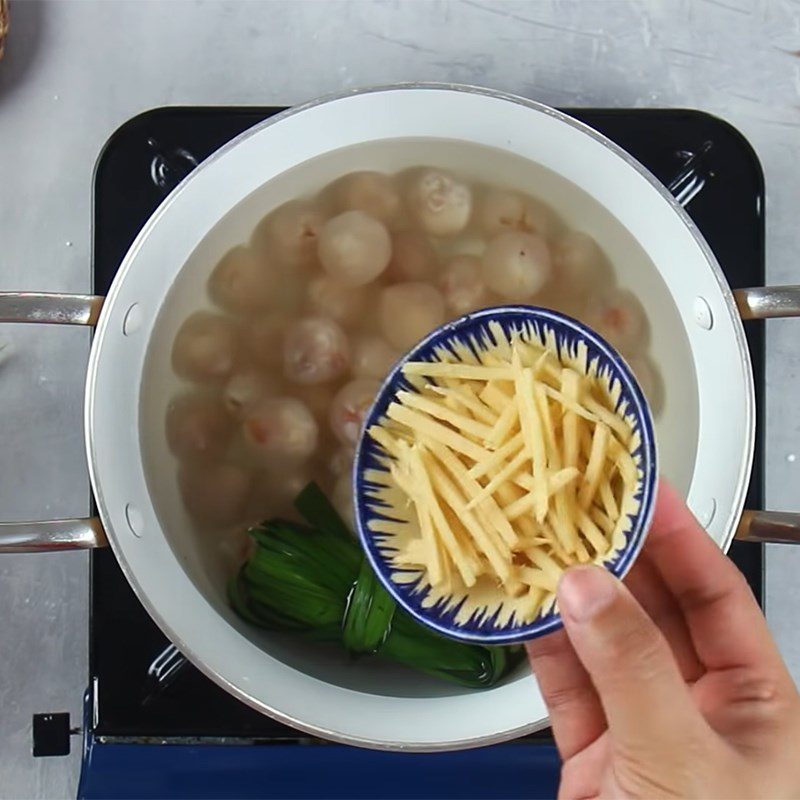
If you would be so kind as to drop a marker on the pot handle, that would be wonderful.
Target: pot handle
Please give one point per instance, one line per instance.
(57, 309)
(768, 302)
(57, 534)
(782, 527)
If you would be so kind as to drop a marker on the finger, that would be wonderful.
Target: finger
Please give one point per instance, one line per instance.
(647, 586)
(572, 703)
(744, 705)
(582, 776)
(631, 666)
(726, 624)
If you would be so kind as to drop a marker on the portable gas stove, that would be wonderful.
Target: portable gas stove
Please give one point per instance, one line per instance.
(154, 725)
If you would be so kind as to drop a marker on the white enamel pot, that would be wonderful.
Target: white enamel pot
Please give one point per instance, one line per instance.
(705, 431)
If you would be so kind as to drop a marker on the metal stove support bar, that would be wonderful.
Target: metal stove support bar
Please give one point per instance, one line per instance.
(162, 672)
(690, 180)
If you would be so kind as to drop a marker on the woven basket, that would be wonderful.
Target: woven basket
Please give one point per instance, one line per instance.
(3, 24)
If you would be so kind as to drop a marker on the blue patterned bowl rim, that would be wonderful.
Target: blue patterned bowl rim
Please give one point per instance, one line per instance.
(567, 330)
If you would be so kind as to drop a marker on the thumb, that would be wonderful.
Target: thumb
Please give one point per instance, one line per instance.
(628, 660)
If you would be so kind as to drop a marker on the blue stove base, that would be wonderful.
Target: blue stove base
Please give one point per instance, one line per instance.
(316, 771)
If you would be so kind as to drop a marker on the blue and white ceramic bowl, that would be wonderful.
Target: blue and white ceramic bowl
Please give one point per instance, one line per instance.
(486, 624)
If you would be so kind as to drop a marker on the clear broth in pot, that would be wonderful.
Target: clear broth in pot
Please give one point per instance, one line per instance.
(210, 475)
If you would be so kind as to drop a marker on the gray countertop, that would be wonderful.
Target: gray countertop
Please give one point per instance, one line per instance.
(74, 71)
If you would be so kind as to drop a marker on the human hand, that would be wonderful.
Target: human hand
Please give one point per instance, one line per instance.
(673, 686)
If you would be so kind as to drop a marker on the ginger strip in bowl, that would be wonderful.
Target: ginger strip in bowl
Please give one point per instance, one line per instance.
(511, 465)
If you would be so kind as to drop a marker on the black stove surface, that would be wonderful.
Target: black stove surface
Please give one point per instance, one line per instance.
(141, 688)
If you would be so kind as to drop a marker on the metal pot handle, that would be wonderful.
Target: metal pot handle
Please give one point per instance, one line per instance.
(768, 302)
(58, 534)
(769, 526)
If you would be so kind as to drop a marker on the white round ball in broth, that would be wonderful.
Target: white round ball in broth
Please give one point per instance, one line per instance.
(289, 235)
(330, 297)
(560, 298)
(648, 379)
(374, 193)
(504, 210)
(215, 495)
(577, 262)
(341, 462)
(350, 406)
(618, 316)
(317, 398)
(263, 338)
(274, 492)
(470, 244)
(205, 348)
(292, 290)
(462, 285)
(198, 428)
(373, 357)
(342, 499)
(441, 204)
(280, 429)
(315, 350)
(413, 257)
(246, 388)
(234, 546)
(354, 248)
(243, 281)
(516, 265)
(410, 311)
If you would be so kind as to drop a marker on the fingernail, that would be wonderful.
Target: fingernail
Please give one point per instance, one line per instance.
(584, 592)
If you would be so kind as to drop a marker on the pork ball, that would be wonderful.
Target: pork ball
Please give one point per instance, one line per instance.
(198, 427)
(409, 311)
(263, 338)
(373, 357)
(315, 350)
(560, 298)
(577, 261)
(243, 282)
(440, 203)
(216, 494)
(317, 398)
(330, 297)
(289, 235)
(354, 248)
(374, 193)
(462, 285)
(413, 257)
(341, 462)
(504, 210)
(205, 348)
(468, 245)
(618, 316)
(274, 491)
(516, 265)
(342, 499)
(246, 388)
(280, 429)
(649, 380)
(350, 406)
